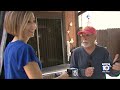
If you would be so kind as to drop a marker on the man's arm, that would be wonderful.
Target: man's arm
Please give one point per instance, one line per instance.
(115, 66)
(74, 63)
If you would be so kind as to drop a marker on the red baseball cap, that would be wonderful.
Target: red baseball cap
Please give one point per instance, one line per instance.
(87, 30)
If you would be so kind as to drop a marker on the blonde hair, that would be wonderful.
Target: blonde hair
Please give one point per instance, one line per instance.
(16, 21)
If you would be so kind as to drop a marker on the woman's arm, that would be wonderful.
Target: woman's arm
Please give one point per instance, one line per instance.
(33, 71)
(64, 75)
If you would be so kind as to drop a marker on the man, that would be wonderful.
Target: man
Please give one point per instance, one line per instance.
(91, 60)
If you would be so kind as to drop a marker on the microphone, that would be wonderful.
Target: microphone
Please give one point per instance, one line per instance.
(72, 72)
(90, 62)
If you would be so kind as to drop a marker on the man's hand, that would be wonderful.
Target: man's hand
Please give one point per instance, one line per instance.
(116, 58)
(116, 63)
(116, 66)
(89, 71)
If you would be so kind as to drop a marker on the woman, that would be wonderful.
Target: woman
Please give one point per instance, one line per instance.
(20, 60)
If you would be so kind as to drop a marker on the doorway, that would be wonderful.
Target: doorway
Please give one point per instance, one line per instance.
(50, 42)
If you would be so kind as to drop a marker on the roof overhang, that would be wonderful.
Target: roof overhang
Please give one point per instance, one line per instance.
(81, 12)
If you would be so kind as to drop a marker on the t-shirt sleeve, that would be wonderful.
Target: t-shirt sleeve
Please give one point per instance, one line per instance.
(26, 54)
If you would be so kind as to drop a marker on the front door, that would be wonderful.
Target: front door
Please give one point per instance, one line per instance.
(50, 41)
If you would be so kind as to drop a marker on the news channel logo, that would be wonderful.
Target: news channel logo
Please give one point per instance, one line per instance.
(72, 72)
(75, 72)
(106, 67)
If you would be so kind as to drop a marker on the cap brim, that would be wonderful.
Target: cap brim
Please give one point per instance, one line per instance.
(83, 32)
(80, 32)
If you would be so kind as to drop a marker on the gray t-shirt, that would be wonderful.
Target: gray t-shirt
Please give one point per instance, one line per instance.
(99, 59)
